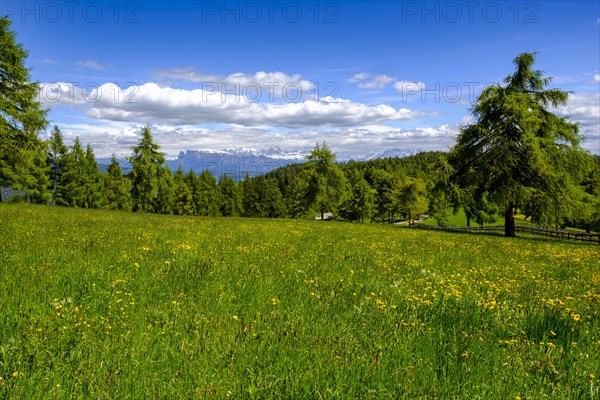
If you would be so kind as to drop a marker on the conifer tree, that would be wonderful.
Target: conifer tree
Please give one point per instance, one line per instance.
(183, 199)
(116, 187)
(326, 183)
(72, 190)
(517, 147)
(21, 118)
(208, 196)
(165, 192)
(147, 168)
(94, 196)
(56, 153)
(231, 198)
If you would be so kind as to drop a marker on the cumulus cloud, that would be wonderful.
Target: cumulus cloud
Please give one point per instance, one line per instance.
(110, 137)
(277, 84)
(150, 103)
(368, 81)
(597, 77)
(584, 108)
(269, 78)
(92, 65)
(409, 87)
(56, 93)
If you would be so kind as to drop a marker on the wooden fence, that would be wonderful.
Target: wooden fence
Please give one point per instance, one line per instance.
(554, 233)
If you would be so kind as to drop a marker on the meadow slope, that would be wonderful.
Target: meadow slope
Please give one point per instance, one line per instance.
(98, 304)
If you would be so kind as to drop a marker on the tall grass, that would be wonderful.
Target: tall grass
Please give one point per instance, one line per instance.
(99, 304)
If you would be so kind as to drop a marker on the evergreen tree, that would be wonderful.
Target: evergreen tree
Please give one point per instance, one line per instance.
(165, 196)
(56, 153)
(231, 198)
(517, 146)
(192, 182)
(184, 200)
(147, 167)
(207, 196)
(262, 198)
(413, 199)
(444, 193)
(95, 196)
(72, 190)
(30, 174)
(326, 183)
(20, 119)
(387, 199)
(359, 203)
(116, 187)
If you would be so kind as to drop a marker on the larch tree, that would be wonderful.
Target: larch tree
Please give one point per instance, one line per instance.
(359, 202)
(165, 192)
(326, 183)
(517, 147)
(72, 190)
(56, 153)
(116, 187)
(231, 197)
(21, 118)
(183, 198)
(147, 167)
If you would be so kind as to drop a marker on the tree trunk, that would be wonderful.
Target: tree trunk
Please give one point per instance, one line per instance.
(322, 215)
(509, 222)
(468, 220)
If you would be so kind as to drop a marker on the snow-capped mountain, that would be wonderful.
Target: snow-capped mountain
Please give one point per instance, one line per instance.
(235, 162)
(387, 153)
(238, 162)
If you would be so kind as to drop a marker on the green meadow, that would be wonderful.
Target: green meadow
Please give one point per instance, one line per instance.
(111, 305)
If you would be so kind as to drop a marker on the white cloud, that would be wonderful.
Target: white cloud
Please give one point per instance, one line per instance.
(108, 137)
(583, 108)
(409, 87)
(359, 77)
(597, 77)
(150, 103)
(92, 65)
(275, 84)
(368, 81)
(466, 120)
(269, 78)
(51, 94)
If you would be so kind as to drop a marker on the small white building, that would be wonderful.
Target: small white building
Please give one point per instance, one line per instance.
(326, 216)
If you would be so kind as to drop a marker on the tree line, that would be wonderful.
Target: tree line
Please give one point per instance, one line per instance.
(382, 190)
(516, 156)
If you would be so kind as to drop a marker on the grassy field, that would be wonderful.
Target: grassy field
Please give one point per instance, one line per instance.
(111, 305)
(460, 219)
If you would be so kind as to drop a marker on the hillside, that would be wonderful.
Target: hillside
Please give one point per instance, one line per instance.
(99, 304)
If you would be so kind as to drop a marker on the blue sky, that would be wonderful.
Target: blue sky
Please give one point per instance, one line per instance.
(363, 76)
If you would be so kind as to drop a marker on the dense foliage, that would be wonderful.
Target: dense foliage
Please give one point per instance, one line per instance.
(22, 165)
(383, 190)
(520, 155)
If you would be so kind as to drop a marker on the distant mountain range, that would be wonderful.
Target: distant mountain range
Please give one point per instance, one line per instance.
(390, 153)
(239, 162)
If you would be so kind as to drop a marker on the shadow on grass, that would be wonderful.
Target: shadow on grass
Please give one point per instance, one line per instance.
(500, 234)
